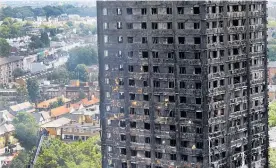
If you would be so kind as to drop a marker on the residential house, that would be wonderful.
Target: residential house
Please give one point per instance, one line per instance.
(22, 107)
(89, 102)
(271, 93)
(45, 104)
(42, 117)
(54, 127)
(6, 128)
(271, 72)
(6, 134)
(63, 17)
(59, 111)
(8, 94)
(7, 66)
(5, 117)
(81, 115)
(79, 131)
(73, 92)
(41, 18)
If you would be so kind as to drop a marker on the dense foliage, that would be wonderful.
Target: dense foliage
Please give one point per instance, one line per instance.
(56, 104)
(272, 158)
(10, 28)
(40, 42)
(26, 11)
(26, 130)
(5, 48)
(80, 73)
(57, 154)
(33, 90)
(272, 52)
(272, 114)
(22, 94)
(18, 72)
(81, 55)
(20, 161)
(60, 75)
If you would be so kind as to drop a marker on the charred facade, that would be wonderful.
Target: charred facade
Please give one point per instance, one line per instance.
(183, 84)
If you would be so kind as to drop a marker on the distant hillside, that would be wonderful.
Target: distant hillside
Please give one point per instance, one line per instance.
(28, 11)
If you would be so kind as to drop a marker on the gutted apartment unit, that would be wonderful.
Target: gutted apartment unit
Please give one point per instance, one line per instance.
(183, 84)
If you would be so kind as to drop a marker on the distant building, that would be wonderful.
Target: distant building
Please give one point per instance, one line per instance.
(29, 19)
(41, 18)
(63, 17)
(271, 93)
(79, 131)
(28, 61)
(271, 72)
(74, 17)
(7, 66)
(22, 107)
(54, 127)
(42, 117)
(59, 112)
(45, 104)
(8, 94)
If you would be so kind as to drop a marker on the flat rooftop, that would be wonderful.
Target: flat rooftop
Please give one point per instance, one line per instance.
(7, 60)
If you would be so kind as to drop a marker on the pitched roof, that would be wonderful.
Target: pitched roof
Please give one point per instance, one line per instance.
(59, 111)
(45, 115)
(6, 115)
(26, 106)
(37, 117)
(87, 102)
(56, 123)
(6, 128)
(45, 104)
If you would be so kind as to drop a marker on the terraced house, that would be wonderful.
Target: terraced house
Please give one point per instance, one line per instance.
(183, 84)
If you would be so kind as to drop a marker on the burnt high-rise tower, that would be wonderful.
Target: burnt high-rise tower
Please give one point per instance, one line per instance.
(183, 84)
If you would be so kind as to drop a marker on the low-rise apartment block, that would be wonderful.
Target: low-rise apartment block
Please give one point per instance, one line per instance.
(7, 66)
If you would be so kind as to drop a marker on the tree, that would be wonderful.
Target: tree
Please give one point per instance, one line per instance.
(18, 72)
(26, 130)
(33, 89)
(58, 154)
(70, 23)
(272, 158)
(21, 160)
(272, 114)
(45, 39)
(22, 94)
(5, 48)
(60, 75)
(81, 55)
(56, 104)
(80, 73)
(53, 105)
(36, 43)
(272, 52)
(81, 95)
(60, 101)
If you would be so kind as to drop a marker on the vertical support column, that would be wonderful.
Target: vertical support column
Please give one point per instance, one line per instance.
(101, 83)
(151, 92)
(205, 99)
(226, 81)
(249, 138)
(266, 84)
(176, 88)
